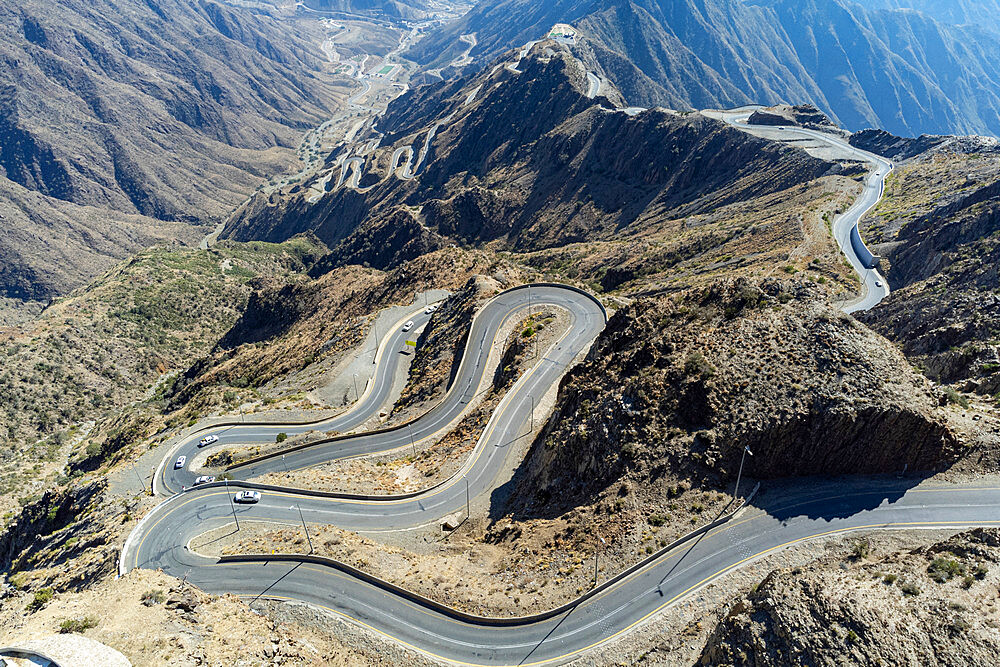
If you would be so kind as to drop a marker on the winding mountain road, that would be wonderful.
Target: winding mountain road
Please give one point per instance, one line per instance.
(874, 286)
(783, 515)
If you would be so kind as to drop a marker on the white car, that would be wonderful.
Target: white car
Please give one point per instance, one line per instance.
(208, 440)
(408, 326)
(247, 496)
(430, 309)
(181, 460)
(204, 479)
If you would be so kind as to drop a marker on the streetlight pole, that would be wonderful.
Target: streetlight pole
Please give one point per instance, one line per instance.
(532, 422)
(413, 446)
(285, 463)
(232, 506)
(596, 550)
(746, 450)
(357, 396)
(468, 512)
(309, 539)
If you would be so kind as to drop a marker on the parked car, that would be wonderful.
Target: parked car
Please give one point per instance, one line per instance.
(878, 283)
(247, 497)
(208, 440)
(430, 309)
(204, 479)
(408, 326)
(181, 460)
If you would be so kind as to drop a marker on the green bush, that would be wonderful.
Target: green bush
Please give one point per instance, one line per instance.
(281, 437)
(42, 597)
(942, 569)
(696, 365)
(153, 596)
(909, 588)
(955, 398)
(889, 579)
(77, 624)
(656, 520)
(861, 550)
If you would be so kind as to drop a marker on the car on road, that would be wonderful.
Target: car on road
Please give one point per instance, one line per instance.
(181, 460)
(247, 497)
(430, 309)
(208, 440)
(408, 326)
(878, 283)
(204, 479)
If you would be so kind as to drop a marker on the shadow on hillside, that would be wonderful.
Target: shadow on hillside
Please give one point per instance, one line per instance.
(832, 498)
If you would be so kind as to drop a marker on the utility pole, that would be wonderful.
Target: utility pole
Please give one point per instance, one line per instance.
(468, 512)
(596, 550)
(357, 397)
(746, 450)
(309, 539)
(232, 506)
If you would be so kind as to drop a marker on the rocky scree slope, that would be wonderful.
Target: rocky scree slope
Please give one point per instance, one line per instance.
(942, 247)
(681, 384)
(570, 170)
(166, 109)
(934, 605)
(696, 54)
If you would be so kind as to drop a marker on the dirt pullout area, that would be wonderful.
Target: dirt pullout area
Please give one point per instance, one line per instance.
(426, 465)
(155, 619)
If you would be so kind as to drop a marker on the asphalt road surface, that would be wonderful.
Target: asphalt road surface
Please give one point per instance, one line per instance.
(875, 286)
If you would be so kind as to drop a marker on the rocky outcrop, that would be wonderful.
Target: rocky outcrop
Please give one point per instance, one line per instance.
(803, 115)
(942, 265)
(931, 606)
(683, 384)
(888, 145)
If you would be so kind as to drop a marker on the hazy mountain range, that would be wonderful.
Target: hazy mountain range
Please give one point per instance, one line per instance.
(125, 122)
(928, 69)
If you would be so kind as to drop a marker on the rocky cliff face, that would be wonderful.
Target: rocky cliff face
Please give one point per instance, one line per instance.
(526, 160)
(931, 606)
(684, 384)
(802, 115)
(942, 249)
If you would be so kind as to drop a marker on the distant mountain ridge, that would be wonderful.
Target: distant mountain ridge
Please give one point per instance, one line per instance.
(909, 72)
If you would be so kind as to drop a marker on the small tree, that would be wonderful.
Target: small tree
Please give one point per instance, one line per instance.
(281, 437)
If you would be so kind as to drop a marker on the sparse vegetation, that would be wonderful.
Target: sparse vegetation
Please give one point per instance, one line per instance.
(77, 625)
(41, 598)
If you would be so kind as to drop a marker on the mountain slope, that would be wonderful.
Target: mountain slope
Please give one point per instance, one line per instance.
(900, 70)
(572, 170)
(165, 109)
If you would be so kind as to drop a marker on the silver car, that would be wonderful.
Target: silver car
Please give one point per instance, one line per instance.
(247, 497)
